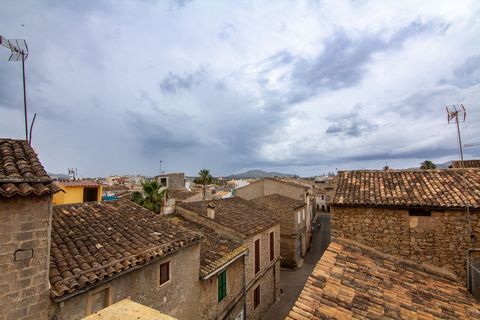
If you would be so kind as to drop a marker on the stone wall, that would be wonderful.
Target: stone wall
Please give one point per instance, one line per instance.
(232, 303)
(291, 234)
(25, 225)
(440, 239)
(269, 275)
(177, 298)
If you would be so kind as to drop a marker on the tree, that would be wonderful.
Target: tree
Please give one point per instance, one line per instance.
(205, 178)
(427, 164)
(151, 197)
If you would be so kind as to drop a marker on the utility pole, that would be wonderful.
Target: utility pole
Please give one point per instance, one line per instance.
(160, 161)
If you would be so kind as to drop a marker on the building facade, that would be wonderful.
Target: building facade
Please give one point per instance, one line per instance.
(419, 215)
(77, 191)
(25, 224)
(293, 235)
(290, 189)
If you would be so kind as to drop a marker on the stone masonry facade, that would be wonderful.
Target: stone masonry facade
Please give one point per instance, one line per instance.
(177, 298)
(25, 224)
(440, 239)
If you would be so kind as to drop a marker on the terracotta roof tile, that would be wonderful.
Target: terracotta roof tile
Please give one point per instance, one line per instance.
(93, 241)
(78, 183)
(466, 164)
(21, 173)
(216, 250)
(354, 281)
(278, 203)
(235, 213)
(181, 194)
(431, 188)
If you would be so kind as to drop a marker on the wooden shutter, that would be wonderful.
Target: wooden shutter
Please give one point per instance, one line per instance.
(256, 297)
(222, 285)
(164, 272)
(272, 246)
(257, 256)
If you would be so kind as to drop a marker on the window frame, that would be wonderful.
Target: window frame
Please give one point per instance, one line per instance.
(271, 236)
(169, 270)
(257, 256)
(419, 212)
(222, 285)
(256, 297)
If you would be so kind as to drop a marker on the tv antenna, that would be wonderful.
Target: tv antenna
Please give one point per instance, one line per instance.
(455, 114)
(19, 52)
(161, 161)
(72, 172)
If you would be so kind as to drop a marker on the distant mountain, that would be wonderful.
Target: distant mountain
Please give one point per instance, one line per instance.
(59, 176)
(255, 174)
(439, 166)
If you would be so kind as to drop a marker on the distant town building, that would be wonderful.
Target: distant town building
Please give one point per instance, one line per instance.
(293, 234)
(184, 195)
(324, 192)
(416, 214)
(465, 164)
(78, 191)
(293, 189)
(173, 181)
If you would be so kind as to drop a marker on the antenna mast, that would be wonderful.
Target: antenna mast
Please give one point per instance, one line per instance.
(19, 50)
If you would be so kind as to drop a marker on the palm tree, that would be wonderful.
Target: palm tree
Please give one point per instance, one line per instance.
(427, 164)
(205, 178)
(151, 197)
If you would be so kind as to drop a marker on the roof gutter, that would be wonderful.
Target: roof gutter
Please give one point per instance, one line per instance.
(208, 276)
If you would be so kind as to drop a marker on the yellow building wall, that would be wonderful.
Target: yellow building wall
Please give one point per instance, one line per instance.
(72, 195)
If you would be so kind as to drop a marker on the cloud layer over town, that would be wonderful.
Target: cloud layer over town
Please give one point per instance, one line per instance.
(299, 87)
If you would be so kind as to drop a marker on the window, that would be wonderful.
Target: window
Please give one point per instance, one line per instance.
(222, 285)
(164, 272)
(163, 182)
(256, 297)
(323, 197)
(298, 217)
(99, 299)
(303, 214)
(419, 213)
(272, 246)
(257, 256)
(90, 194)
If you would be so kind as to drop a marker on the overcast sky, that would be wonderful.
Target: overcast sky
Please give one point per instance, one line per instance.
(298, 87)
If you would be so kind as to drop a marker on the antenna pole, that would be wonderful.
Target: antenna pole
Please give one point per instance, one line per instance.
(459, 137)
(25, 98)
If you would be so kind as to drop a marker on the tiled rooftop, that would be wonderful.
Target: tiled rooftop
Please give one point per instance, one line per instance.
(93, 241)
(181, 194)
(78, 183)
(21, 173)
(216, 250)
(466, 164)
(353, 281)
(235, 213)
(431, 188)
(278, 203)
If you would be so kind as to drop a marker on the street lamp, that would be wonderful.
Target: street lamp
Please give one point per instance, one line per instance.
(19, 52)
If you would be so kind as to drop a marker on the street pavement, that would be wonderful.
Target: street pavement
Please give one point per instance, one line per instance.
(292, 281)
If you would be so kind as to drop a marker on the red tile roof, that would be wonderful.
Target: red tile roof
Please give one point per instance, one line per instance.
(78, 183)
(466, 164)
(216, 249)
(235, 213)
(92, 242)
(21, 173)
(354, 281)
(278, 203)
(407, 188)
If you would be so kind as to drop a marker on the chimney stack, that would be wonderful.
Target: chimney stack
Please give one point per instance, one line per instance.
(211, 210)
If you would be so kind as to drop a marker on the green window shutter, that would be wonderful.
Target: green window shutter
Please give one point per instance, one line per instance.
(222, 285)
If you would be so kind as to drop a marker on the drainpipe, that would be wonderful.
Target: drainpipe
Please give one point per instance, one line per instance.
(245, 286)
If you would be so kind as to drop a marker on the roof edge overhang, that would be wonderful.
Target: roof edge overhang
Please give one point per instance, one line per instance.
(221, 268)
(398, 206)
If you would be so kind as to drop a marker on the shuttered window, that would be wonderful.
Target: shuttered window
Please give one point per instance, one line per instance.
(257, 256)
(256, 297)
(272, 246)
(222, 285)
(164, 272)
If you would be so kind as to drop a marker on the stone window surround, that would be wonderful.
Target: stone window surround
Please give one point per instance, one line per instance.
(160, 285)
(89, 305)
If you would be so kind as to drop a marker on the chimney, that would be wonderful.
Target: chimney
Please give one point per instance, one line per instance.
(211, 210)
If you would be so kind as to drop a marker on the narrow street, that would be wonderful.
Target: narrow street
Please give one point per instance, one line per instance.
(292, 282)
